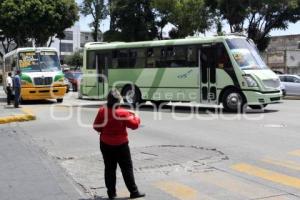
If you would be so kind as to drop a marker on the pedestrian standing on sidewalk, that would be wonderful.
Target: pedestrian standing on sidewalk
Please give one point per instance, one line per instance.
(9, 86)
(17, 88)
(111, 122)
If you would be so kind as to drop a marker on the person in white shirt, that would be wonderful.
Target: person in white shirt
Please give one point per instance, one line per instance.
(9, 85)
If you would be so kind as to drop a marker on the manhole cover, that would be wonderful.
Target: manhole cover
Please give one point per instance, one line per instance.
(170, 157)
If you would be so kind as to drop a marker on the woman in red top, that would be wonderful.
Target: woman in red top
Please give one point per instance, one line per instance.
(111, 122)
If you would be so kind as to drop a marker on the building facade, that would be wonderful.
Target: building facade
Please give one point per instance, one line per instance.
(87, 36)
(283, 54)
(70, 43)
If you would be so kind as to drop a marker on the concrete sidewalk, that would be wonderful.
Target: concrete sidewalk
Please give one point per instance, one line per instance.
(27, 173)
(9, 114)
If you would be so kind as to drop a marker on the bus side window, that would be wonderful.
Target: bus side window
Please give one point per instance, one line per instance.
(114, 59)
(132, 56)
(123, 59)
(179, 58)
(150, 61)
(192, 57)
(137, 58)
(91, 60)
(154, 57)
(223, 60)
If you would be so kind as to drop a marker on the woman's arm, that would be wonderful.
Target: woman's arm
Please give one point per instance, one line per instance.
(132, 121)
(99, 120)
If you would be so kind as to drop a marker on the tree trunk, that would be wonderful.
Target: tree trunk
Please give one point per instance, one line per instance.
(51, 41)
(96, 27)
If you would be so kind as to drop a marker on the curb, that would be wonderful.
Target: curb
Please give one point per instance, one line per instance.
(291, 98)
(27, 116)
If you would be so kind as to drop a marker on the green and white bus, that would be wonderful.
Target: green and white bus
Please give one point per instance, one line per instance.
(214, 70)
(41, 74)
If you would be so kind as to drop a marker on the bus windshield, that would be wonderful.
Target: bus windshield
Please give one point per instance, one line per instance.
(44, 61)
(245, 54)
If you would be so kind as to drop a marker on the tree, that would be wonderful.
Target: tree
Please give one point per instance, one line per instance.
(163, 11)
(257, 17)
(131, 20)
(188, 16)
(98, 10)
(75, 59)
(36, 20)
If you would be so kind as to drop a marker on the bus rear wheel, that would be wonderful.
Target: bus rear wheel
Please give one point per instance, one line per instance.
(233, 101)
(132, 95)
(59, 100)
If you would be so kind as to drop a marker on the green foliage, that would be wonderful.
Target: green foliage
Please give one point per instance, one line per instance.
(98, 10)
(190, 17)
(23, 20)
(76, 59)
(257, 17)
(131, 20)
(163, 11)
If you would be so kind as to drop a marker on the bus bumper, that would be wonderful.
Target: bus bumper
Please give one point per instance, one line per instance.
(40, 93)
(260, 98)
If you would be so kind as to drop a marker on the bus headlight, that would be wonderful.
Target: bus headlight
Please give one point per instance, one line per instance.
(251, 82)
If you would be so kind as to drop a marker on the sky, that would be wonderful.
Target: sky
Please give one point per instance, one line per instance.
(85, 21)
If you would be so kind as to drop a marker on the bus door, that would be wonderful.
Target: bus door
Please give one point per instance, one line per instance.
(102, 62)
(207, 65)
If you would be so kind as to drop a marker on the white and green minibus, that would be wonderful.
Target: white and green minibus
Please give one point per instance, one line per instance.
(213, 70)
(41, 74)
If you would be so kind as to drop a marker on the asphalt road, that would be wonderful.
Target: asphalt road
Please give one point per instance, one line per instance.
(179, 153)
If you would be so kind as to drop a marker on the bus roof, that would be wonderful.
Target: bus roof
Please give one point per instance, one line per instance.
(157, 43)
(24, 49)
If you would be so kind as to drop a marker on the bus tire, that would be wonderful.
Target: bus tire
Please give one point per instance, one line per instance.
(131, 95)
(59, 100)
(233, 101)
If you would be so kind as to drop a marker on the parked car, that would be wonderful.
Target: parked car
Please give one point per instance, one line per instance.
(74, 78)
(282, 87)
(291, 84)
(68, 84)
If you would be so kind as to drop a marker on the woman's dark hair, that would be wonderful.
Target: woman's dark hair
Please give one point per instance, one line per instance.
(113, 98)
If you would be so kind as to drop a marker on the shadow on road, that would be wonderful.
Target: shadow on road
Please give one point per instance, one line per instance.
(189, 109)
(2, 99)
(38, 102)
(105, 198)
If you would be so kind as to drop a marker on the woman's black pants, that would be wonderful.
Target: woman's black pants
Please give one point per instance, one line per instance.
(113, 155)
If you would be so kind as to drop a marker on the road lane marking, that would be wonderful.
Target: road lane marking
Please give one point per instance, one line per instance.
(295, 153)
(180, 191)
(27, 116)
(236, 185)
(267, 175)
(283, 163)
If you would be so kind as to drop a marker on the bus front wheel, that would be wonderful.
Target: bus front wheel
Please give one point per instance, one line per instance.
(59, 100)
(233, 101)
(132, 95)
